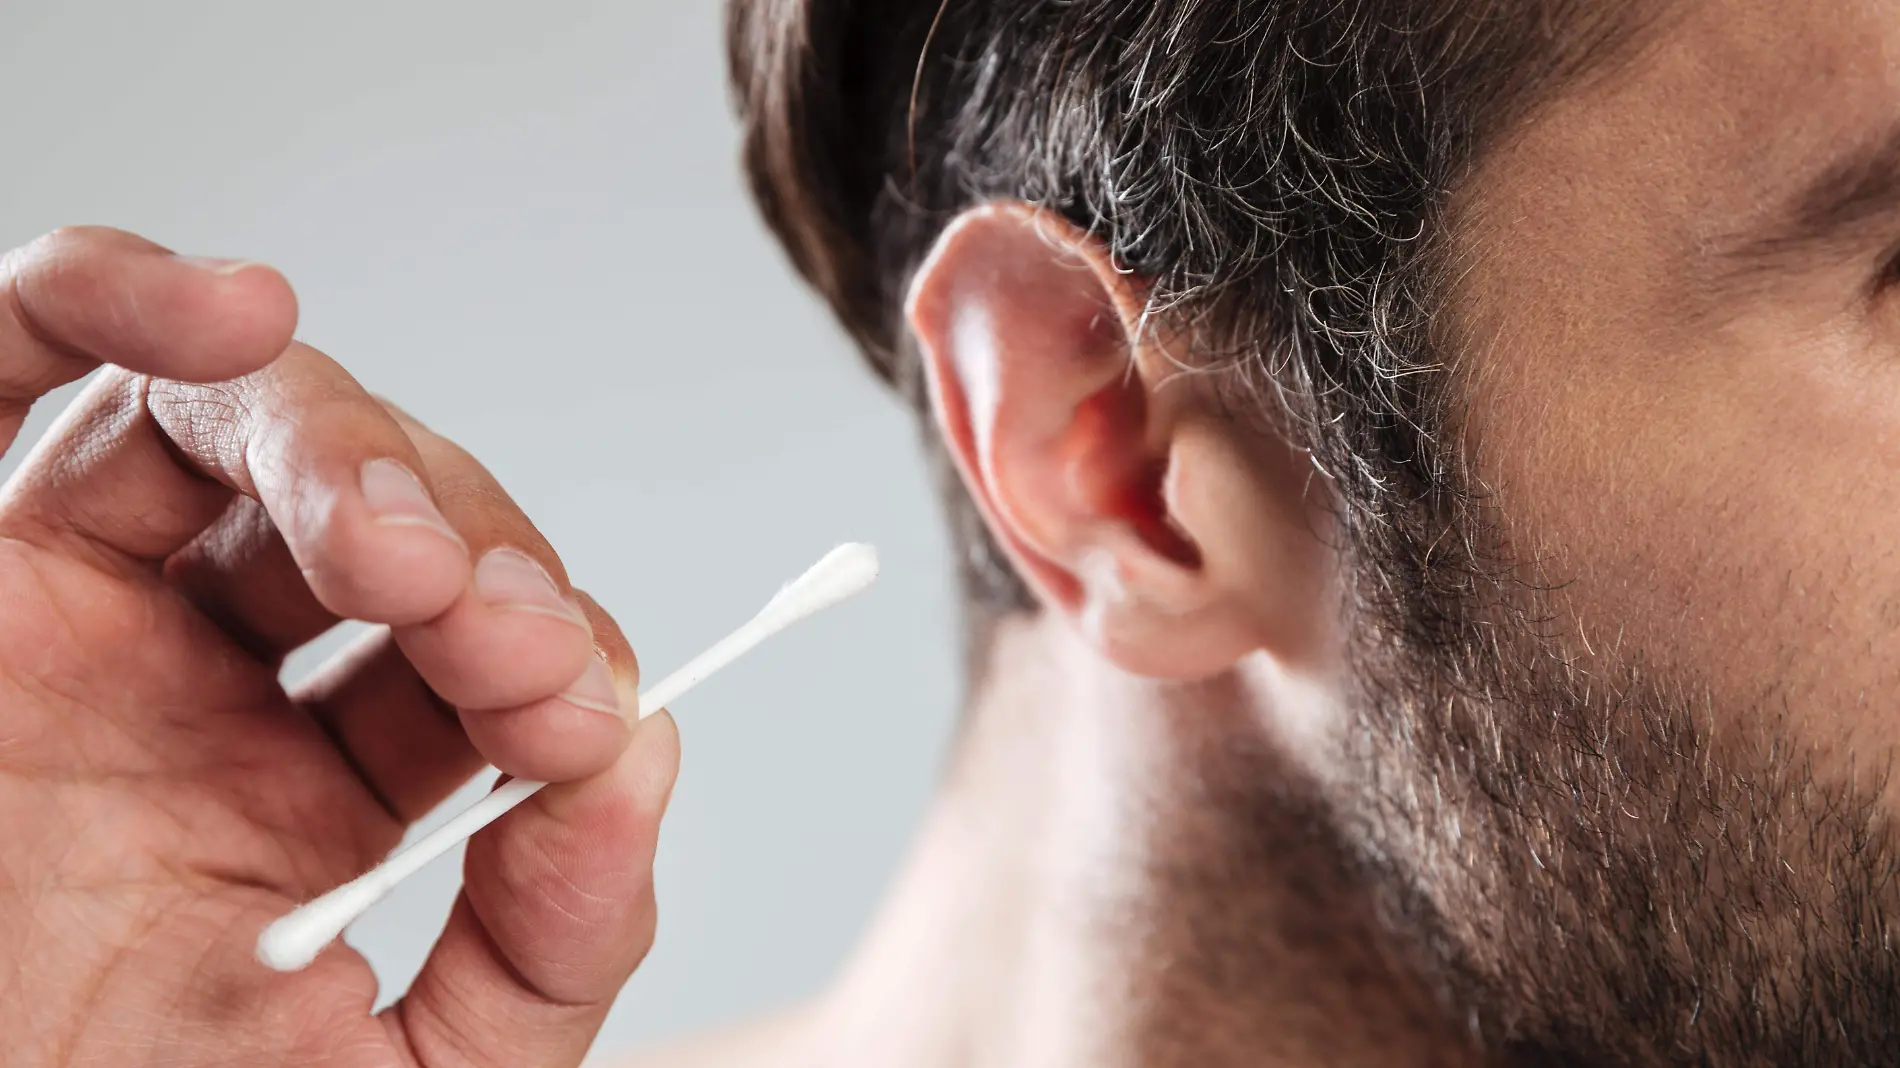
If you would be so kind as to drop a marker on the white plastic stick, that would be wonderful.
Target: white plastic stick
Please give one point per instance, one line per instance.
(294, 939)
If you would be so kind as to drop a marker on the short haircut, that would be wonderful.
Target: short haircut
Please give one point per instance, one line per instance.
(1277, 171)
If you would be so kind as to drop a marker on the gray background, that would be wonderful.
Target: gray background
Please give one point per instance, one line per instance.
(525, 223)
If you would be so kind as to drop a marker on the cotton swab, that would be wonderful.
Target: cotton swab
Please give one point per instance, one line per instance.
(294, 939)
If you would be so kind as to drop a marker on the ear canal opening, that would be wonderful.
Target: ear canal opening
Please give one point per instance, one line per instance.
(1149, 514)
(1136, 495)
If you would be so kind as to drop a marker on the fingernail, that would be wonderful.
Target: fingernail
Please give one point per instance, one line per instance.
(595, 689)
(396, 498)
(217, 266)
(508, 578)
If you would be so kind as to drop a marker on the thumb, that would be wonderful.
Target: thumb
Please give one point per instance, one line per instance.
(556, 912)
(81, 297)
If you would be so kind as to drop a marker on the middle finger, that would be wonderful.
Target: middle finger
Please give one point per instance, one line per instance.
(516, 654)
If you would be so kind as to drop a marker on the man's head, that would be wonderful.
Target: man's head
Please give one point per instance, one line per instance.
(1521, 370)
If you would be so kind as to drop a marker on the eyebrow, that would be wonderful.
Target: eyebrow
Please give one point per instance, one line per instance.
(1830, 211)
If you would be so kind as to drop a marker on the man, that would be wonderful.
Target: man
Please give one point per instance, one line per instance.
(1423, 472)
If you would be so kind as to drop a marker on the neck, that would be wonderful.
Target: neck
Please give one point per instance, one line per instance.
(1121, 873)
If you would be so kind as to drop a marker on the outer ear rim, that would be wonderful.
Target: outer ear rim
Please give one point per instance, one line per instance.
(934, 288)
(1127, 290)
(1132, 609)
(950, 409)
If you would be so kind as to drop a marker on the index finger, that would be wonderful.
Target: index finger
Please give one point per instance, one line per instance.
(140, 466)
(80, 297)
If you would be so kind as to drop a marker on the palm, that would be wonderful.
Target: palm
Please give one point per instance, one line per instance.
(162, 796)
(165, 797)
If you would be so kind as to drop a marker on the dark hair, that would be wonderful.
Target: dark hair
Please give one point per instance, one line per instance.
(1277, 170)
(1287, 176)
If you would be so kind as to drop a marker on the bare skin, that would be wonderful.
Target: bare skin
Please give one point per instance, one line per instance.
(1675, 330)
(1678, 325)
(164, 797)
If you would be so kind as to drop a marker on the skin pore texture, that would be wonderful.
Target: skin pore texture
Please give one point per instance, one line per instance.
(1209, 809)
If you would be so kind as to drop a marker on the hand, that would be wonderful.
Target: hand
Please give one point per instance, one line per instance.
(220, 497)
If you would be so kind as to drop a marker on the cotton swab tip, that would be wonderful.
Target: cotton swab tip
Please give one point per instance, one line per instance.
(292, 941)
(842, 573)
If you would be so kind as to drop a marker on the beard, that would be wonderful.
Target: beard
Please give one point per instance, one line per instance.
(1525, 859)
(1594, 865)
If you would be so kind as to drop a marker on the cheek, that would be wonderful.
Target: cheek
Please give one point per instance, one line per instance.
(1722, 517)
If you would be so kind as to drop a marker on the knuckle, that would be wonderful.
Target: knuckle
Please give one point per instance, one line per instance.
(648, 930)
(459, 465)
(60, 239)
(63, 234)
(66, 242)
(469, 489)
(207, 420)
(303, 379)
(315, 364)
(401, 415)
(204, 408)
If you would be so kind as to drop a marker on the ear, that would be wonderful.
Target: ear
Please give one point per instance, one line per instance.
(1177, 541)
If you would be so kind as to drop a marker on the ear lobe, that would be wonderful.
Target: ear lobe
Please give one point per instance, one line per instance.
(1062, 424)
